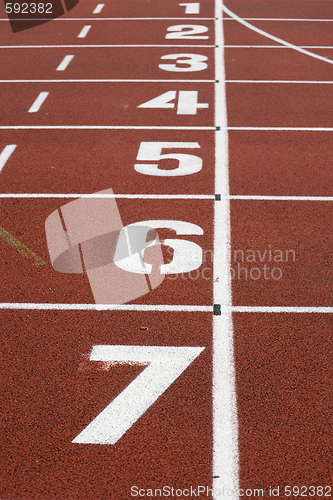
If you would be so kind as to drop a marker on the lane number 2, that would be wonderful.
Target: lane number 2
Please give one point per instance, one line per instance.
(187, 31)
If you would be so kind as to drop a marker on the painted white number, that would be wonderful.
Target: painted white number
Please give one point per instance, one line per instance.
(187, 102)
(165, 365)
(191, 8)
(186, 31)
(187, 255)
(193, 62)
(152, 151)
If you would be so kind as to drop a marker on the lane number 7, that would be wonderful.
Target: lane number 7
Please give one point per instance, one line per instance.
(164, 366)
(187, 102)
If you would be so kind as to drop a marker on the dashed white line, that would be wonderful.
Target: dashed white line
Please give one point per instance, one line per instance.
(64, 63)
(6, 153)
(84, 31)
(38, 102)
(99, 8)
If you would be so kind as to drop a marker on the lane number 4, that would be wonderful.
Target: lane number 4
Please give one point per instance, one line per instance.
(187, 102)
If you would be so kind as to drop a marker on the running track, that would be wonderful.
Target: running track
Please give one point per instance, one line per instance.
(254, 409)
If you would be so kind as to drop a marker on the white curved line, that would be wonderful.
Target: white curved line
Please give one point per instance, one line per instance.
(272, 37)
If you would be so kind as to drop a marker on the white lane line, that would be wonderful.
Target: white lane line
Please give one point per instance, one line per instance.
(225, 426)
(121, 19)
(281, 309)
(104, 46)
(121, 196)
(38, 102)
(99, 127)
(308, 82)
(281, 198)
(274, 38)
(6, 153)
(276, 47)
(83, 32)
(191, 8)
(167, 127)
(108, 46)
(106, 307)
(110, 80)
(64, 63)
(286, 129)
(106, 80)
(165, 308)
(99, 8)
(167, 196)
(280, 19)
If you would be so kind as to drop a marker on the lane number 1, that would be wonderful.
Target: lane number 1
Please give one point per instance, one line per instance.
(191, 8)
